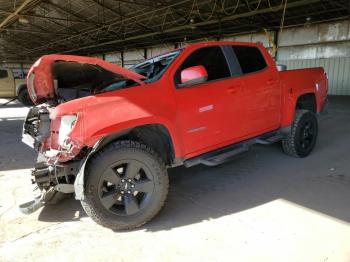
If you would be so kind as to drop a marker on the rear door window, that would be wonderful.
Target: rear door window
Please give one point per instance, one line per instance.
(250, 59)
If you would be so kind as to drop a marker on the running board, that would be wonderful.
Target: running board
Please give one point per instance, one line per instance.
(225, 154)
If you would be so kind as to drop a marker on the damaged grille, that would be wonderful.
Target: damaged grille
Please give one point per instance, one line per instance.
(37, 126)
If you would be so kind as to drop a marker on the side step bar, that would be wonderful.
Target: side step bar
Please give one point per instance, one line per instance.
(225, 154)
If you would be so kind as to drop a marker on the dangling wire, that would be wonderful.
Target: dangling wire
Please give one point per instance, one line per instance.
(234, 9)
(253, 10)
(282, 21)
(278, 8)
(187, 19)
(211, 14)
(283, 16)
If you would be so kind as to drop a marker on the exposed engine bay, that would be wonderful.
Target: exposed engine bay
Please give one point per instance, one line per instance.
(74, 80)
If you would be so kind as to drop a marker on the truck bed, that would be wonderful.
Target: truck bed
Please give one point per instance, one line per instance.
(312, 79)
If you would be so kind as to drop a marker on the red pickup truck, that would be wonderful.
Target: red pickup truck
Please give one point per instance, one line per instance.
(109, 134)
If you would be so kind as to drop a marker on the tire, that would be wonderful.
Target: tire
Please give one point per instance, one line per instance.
(126, 185)
(24, 98)
(303, 135)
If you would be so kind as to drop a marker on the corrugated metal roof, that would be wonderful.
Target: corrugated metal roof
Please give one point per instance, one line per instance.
(93, 26)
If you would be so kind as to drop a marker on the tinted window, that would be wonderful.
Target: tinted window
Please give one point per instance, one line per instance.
(211, 58)
(250, 58)
(3, 73)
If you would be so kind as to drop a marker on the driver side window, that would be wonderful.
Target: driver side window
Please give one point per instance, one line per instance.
(213, 60)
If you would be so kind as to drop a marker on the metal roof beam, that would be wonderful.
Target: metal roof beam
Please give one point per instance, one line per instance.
(48, 17)
(189, 26)
(34, 32)
(69, 12)
(14, 16)
(116, 12)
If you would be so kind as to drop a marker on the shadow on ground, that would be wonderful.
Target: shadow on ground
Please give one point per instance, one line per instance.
(320, 182)
(13, 153)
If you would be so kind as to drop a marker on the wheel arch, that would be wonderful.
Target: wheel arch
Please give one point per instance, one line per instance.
(20, 87)
(157, 136)
(305, 101)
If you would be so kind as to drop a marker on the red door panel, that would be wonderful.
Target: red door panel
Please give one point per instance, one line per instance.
(202, 112)
(260, 100)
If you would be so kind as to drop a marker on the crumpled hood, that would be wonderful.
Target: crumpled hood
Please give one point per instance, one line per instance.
(40, 80)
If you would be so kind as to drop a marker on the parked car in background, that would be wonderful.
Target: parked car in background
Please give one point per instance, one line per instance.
(109, 134)
(11, 87)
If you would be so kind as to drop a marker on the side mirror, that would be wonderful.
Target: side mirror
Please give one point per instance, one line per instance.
(193, 75)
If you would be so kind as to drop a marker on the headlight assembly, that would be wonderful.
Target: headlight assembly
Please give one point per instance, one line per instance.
(67, 125)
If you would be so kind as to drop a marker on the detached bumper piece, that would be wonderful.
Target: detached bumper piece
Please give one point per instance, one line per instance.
(54, 183)
(31, 206)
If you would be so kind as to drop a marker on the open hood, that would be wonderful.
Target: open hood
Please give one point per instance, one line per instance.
(51, 72)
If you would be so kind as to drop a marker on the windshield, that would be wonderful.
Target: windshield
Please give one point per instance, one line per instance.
(155, 67)
(152, 68)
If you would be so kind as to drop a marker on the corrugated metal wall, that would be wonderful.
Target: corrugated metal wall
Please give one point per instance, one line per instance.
(337, 68)
(323, 45)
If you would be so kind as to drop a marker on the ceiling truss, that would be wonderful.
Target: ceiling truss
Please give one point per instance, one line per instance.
(37, 27)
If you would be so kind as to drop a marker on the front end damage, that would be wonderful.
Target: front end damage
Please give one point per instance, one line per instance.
(63, 87)
(59, 160)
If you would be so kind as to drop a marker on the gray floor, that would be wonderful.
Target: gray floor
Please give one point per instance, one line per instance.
(239, 197)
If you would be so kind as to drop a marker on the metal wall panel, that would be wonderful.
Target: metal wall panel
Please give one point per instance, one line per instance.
(256, 37)
(132, 57)
(337, 68)
(114, 58)
(158, 50)
(312, 34)
(324, 45)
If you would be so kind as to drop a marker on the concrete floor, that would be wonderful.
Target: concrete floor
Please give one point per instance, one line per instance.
(263, 206)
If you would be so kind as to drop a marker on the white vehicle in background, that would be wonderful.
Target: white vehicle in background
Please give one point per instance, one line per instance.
(11, 87)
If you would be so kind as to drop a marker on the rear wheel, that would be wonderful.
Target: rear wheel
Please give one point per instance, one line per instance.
(23, 97)
(126, 185)
(303, 135)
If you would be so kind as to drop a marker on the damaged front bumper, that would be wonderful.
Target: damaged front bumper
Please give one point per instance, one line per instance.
(55, 171)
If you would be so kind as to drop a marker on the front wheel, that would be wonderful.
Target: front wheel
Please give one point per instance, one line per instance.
(303, 135)
(126, 185)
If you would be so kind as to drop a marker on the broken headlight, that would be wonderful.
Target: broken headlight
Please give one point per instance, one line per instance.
(67, 124)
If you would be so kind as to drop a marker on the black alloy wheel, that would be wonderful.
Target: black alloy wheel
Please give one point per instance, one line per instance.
(126, 187)
(126, 184)
(303, 134)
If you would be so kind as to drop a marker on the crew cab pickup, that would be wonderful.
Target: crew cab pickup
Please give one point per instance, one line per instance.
(11, 86)
(109, 134)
